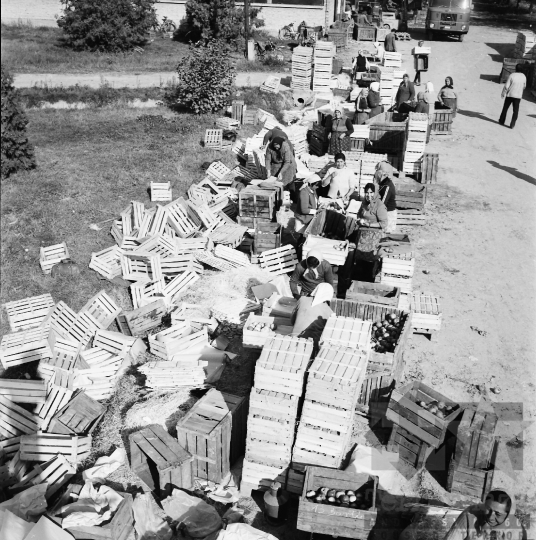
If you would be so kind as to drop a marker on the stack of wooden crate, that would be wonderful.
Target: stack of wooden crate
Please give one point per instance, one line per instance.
(256, 205)
(297, 135)
(278, 385)
(509, 67)
(317, 140)
(416, 130)
(332, 390)
(392, 60)
(526, 45)
(323, 65)
(386, 86)
(302, 68)
(397, 271)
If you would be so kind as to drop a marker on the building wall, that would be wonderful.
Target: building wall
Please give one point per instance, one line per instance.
(43, 12)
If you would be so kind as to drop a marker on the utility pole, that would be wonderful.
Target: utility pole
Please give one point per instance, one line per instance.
(246, 27)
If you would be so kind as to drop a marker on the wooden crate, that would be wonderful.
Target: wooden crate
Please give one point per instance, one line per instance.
(427, 316)
(373, 293)
(229, 234)
(267, 236)
(161, 191)
(55, 472)
(178, 286)
(429, 168)
(410, 448)
(58, 395)
(366, 33)
(398, 266)
(23, 391)
(15, 420)
(170, 375)
(179, 221)
(279, 261)
(405, 411)
(120, 527)
(333, 251)
(404, 283)
(256, 339)
(28, 312)
(348, 332)
(107, 262)
(23, 347)
(411, 199)
(103, 309)
(232, 256)
(258, 476)
(238, 110)
(51, 255)
(257, 202)
(43, 447)
(146, 317)
(138, 266)
(214, 431)
(388, 132)
(332, 520)
(214, 138)
(375, 313)
(469, 481)
(279, 406)
(118, 344)
(475, 441)
(376, 390)
(443, 119)
(79, 417)
(160, 462)
(267, 452)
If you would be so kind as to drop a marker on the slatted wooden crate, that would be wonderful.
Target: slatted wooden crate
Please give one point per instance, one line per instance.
(265, 450)
(469, 481)
(51, 255)
(59, 393)
(42, 447)
(55, 472)
(169, 342)
(415, 199)
(256, 202)
(279, 406)
(10, 446)
(373, 293)
(295, 478)
(23, 347)
(103, 309)
(333, 251)
(398, 267)
(206, 257)
(107, 262)
(178, 264)
(476, 441)
(332, 520)
(119, 344)
(405, 411)
(28, 312)
(377, 313)
(376, 389)
(146, 317)
(410, 448)
(214, 138)
(429, 168)
(427, 316)
(238, 110)
(179, 221)
(23, 391)
(15, 420)
(160, 462)
(158, 244)
(271, 85)
(141, 267)
(161, 191)
(282, 364)
(179, 285)
(78, 417)
(404, 283)
(168, 376)
(316, 445)
(258, 476)
(229, 234)
(347, 331)
(255, 337)
(279, 261)
(267, 236)
(214, 432)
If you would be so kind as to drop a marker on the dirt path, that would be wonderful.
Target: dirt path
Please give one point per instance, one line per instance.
(124, 80)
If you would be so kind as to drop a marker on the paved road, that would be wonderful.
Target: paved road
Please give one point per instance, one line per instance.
(124, 80)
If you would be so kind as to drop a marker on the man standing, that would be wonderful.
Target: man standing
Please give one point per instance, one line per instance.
(512, 94)
(390, 41)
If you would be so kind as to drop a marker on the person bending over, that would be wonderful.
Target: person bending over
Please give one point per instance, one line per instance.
(310, 273)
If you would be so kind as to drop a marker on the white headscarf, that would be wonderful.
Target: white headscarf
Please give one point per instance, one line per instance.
(429, 87)
(375, 86)
(322, 293)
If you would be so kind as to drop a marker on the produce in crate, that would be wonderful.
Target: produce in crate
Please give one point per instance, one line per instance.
(385, 333)
(261, 327)
(360, 498)
(439, 408)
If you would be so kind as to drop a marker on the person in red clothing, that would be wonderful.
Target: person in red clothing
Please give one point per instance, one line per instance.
(387, 193)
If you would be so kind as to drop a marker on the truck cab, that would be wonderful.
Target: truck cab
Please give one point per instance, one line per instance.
(448, 17)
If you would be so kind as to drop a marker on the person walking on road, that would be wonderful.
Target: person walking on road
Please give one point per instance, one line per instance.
(512, 94)
(390, 41)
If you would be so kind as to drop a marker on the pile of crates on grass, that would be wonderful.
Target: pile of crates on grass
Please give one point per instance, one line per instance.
(302, 68)
(323, 66)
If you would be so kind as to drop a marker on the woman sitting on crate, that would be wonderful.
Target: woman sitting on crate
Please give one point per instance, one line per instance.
(280, 163)
(339, 180)
(362, 110)
(374, 100)
(338, 130)
(447, 96)
(310, 273)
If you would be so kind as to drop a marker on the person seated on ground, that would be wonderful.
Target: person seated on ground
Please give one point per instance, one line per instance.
(372, 214)
(387, 194)
(309, 273)
(340, 179)
(362, 111)
(280, 162)
(311, 313)
(494, 519)
(405, 95)
(374, 100)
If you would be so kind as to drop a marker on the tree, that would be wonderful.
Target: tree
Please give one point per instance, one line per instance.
(17, 152)
(205, 79)
(107, 25)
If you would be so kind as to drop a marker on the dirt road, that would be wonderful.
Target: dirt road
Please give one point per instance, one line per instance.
(479, 247)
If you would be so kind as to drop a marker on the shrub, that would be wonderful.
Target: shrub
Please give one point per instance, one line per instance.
(17, 152)
(107, 25)
(205, 79)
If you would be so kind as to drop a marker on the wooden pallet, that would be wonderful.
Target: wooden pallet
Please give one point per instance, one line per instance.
(78, 417)
(28, 312)
(347, 332)
(51, 255)
(279, 261)
(42, 447)
(23, 390)
(147, 317)
(107, 262)
(404, 411)
(161, 191)
(23, 347)
(469, 481)
(214, 432)
(15, 420)
(332, 520)
(179, 285)
(55, 473)
(160, 462)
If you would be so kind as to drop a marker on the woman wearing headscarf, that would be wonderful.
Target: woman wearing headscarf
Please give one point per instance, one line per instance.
(340, 179)
(307, 203)
(494, 519)
(448, 96)
(374, 100)
(372, 214)
(309, 273)
(361, 107)
(280, 163)
(338, 130)
(422, 106)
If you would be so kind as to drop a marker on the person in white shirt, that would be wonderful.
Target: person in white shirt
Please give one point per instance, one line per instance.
(512, 94)
(340, 179)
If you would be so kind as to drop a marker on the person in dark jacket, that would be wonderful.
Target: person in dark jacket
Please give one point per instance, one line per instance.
(390, 41)
(362, 111)
(310, 273)
(360, 63)
(307, 203)
(387, 194)
(405, 94)
(280, 162)
(374, 100)
(271, 134)
(338, 130)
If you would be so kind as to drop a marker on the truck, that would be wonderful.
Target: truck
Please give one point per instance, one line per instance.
(448, 17)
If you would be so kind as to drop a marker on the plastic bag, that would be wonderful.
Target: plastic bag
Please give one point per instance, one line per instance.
(242, 531)
(200, 518)
(148, 525)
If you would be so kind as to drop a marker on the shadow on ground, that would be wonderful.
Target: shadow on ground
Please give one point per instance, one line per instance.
(514, 172)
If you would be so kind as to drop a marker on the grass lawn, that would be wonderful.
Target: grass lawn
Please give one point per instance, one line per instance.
(28, 49)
